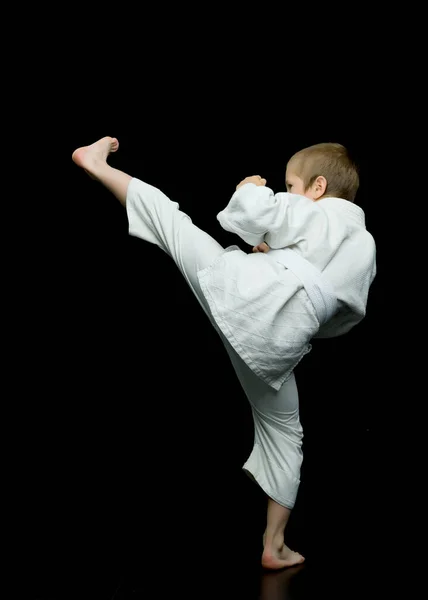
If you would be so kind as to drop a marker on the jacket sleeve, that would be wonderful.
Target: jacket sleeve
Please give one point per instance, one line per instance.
(254, 212)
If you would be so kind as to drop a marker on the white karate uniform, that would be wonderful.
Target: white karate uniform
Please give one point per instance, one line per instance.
(263, 309)
(260, 308)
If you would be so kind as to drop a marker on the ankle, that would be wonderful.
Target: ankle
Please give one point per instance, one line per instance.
(273, 540)
(96, 167)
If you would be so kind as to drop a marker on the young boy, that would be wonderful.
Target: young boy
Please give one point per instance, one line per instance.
(309, 275)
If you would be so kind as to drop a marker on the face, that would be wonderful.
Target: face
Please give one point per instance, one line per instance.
(295, 185)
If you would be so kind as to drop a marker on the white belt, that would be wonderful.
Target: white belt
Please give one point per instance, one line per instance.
(318, 288)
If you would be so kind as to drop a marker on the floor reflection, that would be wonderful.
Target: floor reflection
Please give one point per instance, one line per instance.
(279, 585)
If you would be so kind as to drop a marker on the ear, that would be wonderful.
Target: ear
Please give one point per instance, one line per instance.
(319, 187)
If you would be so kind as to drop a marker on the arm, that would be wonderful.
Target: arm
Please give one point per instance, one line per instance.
(263, 247)
(254, 211)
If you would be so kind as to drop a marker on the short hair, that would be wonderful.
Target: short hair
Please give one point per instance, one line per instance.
(333, 162)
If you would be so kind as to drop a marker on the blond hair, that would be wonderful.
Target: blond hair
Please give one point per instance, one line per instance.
(333, 162)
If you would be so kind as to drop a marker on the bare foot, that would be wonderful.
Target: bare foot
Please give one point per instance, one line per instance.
(280, 558)
(90, 157)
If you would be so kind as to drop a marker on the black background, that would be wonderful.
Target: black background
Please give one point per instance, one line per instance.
(134, 428)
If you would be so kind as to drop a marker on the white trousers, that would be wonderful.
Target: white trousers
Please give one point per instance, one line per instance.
(276, 459)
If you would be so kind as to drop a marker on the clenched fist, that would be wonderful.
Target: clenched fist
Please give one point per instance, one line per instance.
(263, 247)
(256, 179)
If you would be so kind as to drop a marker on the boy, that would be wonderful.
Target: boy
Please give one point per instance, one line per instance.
(309, 274)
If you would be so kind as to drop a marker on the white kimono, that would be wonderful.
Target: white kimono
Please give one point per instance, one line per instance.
(261, 307)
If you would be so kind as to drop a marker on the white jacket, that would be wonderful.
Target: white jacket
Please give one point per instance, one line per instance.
(261, 307)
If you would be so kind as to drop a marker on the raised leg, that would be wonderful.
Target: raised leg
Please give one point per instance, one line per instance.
(93, 159)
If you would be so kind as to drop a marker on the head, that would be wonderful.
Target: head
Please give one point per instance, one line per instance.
(323, 170)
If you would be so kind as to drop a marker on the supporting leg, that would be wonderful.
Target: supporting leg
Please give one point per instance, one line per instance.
(276, 555)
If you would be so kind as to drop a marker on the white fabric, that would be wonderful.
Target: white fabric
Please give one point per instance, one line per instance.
(276, 458)
(317, 286)
(263, 311)
(262, 308)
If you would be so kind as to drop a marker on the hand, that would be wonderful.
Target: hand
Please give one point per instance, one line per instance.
(263, 247)
(256, 179)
